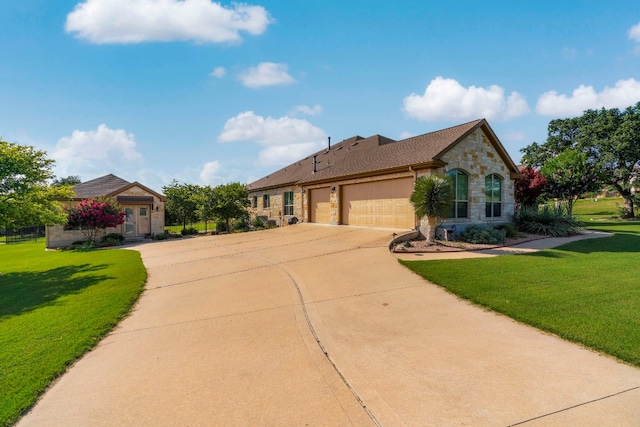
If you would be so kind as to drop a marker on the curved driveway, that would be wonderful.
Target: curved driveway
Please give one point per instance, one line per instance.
(320, 325)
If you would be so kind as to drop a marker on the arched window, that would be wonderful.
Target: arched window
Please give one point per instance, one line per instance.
(460, 183)
(493, 194)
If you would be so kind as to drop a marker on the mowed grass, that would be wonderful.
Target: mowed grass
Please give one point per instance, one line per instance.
(587, 291)
(55, 306)
(200, 226)
(589, 210)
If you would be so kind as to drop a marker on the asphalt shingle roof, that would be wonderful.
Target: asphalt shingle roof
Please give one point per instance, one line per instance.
(99, 187)
(359, 155)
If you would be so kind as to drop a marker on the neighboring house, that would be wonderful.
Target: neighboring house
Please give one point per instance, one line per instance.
(368, 181)
(143, 206)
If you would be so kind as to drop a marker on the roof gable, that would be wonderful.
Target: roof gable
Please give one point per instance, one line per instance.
(108, 186)
(376, 154)
(100, 187)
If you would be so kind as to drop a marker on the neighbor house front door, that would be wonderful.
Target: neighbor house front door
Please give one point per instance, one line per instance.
(137, 221)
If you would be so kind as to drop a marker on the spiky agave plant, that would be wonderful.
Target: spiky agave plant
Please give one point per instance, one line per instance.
(432, 197)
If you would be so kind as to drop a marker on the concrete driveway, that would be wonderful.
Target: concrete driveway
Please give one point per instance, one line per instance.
(320, 325)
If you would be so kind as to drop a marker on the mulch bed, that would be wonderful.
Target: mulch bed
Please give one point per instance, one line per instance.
(420, 246)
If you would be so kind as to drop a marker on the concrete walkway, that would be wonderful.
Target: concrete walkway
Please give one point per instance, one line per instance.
(321, 326)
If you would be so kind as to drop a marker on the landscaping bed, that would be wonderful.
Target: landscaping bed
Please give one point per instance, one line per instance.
(421, 246)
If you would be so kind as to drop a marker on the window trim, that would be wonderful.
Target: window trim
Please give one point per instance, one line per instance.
(287, 208)
(491, 204)
(453, 176)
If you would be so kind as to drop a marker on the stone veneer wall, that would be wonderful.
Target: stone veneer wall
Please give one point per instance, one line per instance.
(57, 236)
(477, 158)
(474, 155)
(157, 215)
(276, 201)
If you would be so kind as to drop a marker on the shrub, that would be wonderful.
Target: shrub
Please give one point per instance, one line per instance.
(112, 239)
(83, 245)
(190, 230)
(548, 221)
(510, 229)
(481, 235)
(257, 222)
(161, 236)
(221, 226)
(241, 224)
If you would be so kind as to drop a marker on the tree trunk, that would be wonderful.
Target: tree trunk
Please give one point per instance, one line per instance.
(431, 229)
(628, 207)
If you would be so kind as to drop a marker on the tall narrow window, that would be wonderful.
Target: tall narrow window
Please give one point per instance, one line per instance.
(288, 203)
(254, 202)
(460, 183)
(266, 202)
(493, 194)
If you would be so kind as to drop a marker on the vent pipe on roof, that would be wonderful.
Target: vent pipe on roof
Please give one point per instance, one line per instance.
(314, 163)
(329, 141)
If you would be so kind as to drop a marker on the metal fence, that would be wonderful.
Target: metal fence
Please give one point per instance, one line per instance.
(24, 234)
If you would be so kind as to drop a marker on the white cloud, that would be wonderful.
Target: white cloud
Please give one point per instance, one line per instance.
(286, 139)
(446, 99)
(622, 95)
(209, 173)
(634, 33)
(266, 74)
(306, 110)
(514, 136)
(218, 72)
(137, 21)
(95, 152)
(405, 134)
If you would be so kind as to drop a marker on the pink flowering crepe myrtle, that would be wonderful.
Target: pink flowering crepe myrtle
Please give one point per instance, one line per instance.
(93, 216)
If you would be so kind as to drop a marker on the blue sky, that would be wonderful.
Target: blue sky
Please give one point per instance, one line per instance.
(210, 93)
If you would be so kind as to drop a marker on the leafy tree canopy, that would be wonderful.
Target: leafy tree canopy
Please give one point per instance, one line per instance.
(569, 175)
(183, 201)
(529, 188)
(25, 197)
(610, 138)
(93, 216)
(231, 201)
(70, 180)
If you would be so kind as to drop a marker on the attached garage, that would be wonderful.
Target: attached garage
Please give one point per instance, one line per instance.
(319, 211)
(378, 204)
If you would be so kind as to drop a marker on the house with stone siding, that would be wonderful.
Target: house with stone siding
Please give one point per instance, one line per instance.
(144, 210)
(368, 181)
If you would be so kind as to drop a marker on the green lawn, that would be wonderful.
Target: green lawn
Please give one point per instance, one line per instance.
(54, 306)
(588, 210)
(586, 291)
(200, 226)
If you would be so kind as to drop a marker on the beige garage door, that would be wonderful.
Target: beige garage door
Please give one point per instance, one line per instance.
(319, 205)
(379, 204)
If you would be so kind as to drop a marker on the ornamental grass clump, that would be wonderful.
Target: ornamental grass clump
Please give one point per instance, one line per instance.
(548, 221)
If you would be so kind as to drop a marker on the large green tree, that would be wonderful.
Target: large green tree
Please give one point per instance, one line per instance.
(206, 204)
(569, 175)
(432, 198)
(183, 201)
(25, 196)
(231, 201)
(609, 137)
